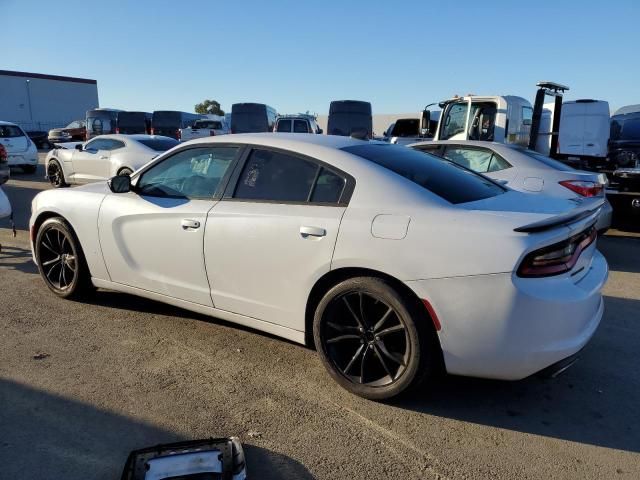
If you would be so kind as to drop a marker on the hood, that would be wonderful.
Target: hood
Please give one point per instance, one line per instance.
(96, 187)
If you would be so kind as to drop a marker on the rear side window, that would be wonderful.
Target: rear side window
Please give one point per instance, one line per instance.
(10, 131)
(300, 126)
(275, 176)
(478, 160)
(445, 179)
(284, 126)
(328, 187)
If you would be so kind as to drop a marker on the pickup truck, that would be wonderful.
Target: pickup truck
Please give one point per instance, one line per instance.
(205, 127)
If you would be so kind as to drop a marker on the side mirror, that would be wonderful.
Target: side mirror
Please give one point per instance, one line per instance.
(425, 122)
(120, 184)
(79, 147)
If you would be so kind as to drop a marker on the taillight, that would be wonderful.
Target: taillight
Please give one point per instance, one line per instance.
(117, 129)
(558, 258)
(584, 188)
(212, 133)
(152, 132)
(178, 134)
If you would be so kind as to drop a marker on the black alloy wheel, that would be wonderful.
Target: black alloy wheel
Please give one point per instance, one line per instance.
(60, 259)
(55, 174)
(373, 341)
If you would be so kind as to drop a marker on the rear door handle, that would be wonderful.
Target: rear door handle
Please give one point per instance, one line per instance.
(188, 224)
(103, 158)
(312, 232)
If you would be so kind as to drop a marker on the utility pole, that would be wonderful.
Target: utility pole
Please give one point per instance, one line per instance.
(29, 98)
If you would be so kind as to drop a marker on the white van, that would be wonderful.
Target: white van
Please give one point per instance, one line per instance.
(584, 130)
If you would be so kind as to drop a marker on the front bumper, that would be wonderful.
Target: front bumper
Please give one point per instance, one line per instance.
(506, 327)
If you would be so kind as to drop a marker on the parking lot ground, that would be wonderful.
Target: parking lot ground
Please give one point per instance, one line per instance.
(83, 383)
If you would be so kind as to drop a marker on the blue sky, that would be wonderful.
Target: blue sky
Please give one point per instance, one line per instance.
(300, 55)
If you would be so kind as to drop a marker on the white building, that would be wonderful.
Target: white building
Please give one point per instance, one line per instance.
(40, 102)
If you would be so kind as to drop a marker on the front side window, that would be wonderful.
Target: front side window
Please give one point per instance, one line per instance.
(284, 126)
(275, 176)
(97, 144)
(481, 161)
(115, 144)
(455, 121)
(300, 126)
(443, 178)
(75, 124)
(193, 173)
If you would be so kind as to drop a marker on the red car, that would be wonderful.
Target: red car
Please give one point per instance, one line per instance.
(74, 132)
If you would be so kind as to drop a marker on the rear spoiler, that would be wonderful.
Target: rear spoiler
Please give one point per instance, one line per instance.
(565, 219)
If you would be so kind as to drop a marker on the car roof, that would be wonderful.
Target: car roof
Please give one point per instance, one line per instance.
(295, 141)
(2, 122)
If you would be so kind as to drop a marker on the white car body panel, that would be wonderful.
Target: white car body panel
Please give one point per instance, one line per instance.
(5, 205)
(145, 245)
(271, 286)
(248, 262)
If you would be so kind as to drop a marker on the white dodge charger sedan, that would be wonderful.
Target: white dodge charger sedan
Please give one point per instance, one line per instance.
(102, 157)
(395, 264)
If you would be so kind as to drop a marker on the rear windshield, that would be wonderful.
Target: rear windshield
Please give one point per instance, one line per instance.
(347, 123)
(284, 125)
(167, 119)
(212, 124)
(250, 122)
(549, 162)
(443, 178)
(406, 128)
(10, 131)
(131, 119)
(100, 123)
(159, 144)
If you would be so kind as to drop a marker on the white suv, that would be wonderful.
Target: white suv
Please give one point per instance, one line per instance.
(21, 151)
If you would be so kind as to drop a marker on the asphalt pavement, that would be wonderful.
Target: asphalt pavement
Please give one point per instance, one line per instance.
(83, 383)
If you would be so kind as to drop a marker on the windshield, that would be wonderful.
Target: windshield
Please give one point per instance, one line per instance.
(443, 178)
(407, 127)
(159, 144)
(99, 123)
(455, 120)
(10, 131)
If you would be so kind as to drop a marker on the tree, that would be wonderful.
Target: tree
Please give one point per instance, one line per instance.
(209, 107)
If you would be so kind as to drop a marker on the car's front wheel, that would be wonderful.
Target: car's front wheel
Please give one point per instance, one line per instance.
(375, 342)
(55, 174)
(60, 259)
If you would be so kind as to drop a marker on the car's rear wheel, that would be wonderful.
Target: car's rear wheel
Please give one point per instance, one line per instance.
(60, 259)
(374, 341)
(55, 174)
(29, 168)
(125, 171)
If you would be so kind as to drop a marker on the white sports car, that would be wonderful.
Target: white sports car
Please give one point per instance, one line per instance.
(394, 263)
(102, 157)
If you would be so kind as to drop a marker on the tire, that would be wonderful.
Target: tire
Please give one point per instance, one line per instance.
(29, 168)
(125, 171)
(60, 259)
(55, 174)
(389, 350)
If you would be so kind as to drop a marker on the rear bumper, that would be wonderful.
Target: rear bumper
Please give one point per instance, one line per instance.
(505, 327)
(26, 158)
(605, 218)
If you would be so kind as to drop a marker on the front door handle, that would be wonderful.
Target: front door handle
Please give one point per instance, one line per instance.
(312, 232)
(188, 224)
